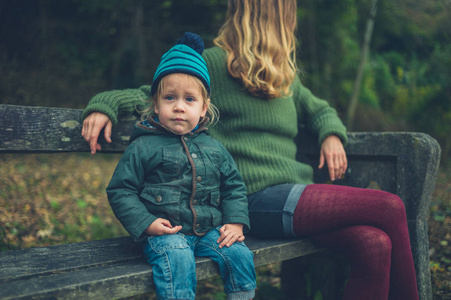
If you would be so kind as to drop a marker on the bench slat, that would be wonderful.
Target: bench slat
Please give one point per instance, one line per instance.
(76, 271)
(101, 282)
(36, 129)
(64, 258)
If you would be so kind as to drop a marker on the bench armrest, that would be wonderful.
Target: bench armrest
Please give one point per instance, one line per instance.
(403, 163)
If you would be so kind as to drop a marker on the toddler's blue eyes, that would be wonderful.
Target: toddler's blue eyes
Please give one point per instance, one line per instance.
(172, 98)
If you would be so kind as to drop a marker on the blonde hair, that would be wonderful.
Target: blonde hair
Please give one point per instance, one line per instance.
(260, 42)
(212, 111)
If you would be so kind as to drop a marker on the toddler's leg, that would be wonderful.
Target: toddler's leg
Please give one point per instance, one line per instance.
(173, 266)
(236, 265)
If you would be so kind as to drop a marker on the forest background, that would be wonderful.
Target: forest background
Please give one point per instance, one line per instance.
(61, 53)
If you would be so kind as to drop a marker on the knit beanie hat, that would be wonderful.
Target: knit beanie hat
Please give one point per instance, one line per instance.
(185, 57)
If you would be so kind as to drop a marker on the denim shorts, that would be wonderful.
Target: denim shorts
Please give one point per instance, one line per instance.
(271, 210)
(172, 258)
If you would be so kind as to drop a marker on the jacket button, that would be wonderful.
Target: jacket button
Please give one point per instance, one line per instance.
(194, 202)
(197, 226)
(194, 155)
(199, 178)
(217, 201)
(186, 139)
(158, 199)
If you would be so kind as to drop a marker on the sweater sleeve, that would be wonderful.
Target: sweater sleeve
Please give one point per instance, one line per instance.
(117, 102)
(317, 115)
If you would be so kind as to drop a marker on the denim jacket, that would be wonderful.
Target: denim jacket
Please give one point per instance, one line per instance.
(190, 180)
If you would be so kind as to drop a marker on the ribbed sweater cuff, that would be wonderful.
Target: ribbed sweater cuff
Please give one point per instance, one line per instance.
(325, 132)
(102, 108)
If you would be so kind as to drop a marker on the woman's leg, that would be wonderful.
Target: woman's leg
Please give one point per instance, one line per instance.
(369, 252)
(325, 211)
(173, 266)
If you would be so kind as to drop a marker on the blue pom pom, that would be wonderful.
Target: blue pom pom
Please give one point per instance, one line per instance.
(193, 41)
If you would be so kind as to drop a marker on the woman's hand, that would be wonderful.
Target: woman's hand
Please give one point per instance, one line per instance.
(92, 126)
(333, 153)
(162, 227)
(230, 233)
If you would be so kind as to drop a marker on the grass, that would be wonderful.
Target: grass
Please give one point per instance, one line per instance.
(55, 199)
(60, 198)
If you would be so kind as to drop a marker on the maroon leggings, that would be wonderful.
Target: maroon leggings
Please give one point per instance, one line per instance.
(370, 228)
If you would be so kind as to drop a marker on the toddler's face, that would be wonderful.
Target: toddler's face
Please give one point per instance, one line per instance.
(180, 104)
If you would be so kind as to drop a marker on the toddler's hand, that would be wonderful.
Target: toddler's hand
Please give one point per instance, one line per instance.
(92, 126)
(162, 227)
(230, 233)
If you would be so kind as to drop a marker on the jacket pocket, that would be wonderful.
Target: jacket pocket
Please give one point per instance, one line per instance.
(174, 161)
(163, 202)
(161, 195)
(215, 198)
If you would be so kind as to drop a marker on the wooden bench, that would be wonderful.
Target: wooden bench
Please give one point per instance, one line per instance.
(402, 163)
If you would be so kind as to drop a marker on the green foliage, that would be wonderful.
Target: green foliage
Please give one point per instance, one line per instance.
(407, 75)
(328, 51)
(384, 82)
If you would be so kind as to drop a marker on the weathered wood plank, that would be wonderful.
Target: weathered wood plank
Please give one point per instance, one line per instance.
(65, 258)
(101, 282)
(111, 268)
(49, 129)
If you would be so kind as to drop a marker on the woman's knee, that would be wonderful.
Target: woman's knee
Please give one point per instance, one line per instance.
(393, 204)
(374, 242)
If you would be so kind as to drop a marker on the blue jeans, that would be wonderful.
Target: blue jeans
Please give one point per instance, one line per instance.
(174, 266)
(271, 210)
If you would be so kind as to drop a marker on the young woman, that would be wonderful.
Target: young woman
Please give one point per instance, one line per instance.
(262, 102)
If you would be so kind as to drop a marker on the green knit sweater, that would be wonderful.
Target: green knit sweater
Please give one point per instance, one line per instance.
(259, 133)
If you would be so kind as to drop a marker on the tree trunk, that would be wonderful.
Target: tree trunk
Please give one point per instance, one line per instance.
(363, 55)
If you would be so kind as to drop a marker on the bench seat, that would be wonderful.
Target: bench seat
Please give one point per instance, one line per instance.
(109, 269)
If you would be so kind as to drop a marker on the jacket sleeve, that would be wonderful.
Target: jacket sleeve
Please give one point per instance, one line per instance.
(117, 102)
(317, 115)
(124, 189)
(233, 193)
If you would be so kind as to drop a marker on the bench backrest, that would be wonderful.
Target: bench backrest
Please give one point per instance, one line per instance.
(405, 164)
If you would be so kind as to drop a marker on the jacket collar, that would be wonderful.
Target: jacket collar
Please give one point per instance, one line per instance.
(158, 127)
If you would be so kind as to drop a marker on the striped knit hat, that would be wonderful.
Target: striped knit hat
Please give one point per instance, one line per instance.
(185, 57)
